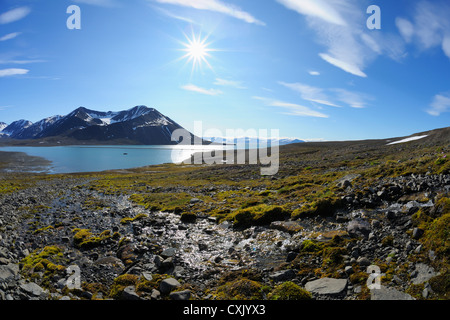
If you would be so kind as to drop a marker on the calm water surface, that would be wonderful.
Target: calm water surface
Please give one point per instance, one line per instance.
(67, 159)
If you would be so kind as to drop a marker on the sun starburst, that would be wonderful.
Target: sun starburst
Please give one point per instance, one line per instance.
(197, 51)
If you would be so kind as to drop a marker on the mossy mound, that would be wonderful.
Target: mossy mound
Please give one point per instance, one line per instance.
(258, 215)
(289, 291)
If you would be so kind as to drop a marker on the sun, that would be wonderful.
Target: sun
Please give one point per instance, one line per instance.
(197, 51)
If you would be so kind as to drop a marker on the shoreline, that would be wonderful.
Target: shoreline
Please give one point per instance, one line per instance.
(20, 162)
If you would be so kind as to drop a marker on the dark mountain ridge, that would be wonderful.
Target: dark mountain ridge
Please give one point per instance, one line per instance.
(138, 125)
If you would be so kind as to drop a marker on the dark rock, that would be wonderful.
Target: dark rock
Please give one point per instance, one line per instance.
(417, 233)
(129, 293)
(359, 227)
(167, 285)
(283, 275)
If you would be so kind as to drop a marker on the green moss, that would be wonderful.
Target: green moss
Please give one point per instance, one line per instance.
(310, 246)
(42, 265)
(440, 284)
(120, 283)
(85, 239)
(258, 215)
(289, 291)
(437, 236)
(241, 289)
(138, 217)
(318, 207)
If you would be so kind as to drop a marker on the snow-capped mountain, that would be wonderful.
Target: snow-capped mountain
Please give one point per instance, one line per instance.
(16, 127)
(36, 128)
(138, 125)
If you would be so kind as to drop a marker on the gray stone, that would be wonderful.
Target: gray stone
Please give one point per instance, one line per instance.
(180, 295)
(155, 294)
(147, 276)
(283, 275)
(327, 286)
(167, 285)
(422, 273)
(363, 261)
(168, 253)
(359, 227)
(349, 270)
(129, 293)
(385, 293)
(9, 272)
(32, 289)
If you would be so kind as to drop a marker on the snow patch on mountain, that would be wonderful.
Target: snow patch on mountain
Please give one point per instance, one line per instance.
(408, 139)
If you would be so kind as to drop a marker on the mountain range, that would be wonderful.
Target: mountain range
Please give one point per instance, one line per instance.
(138, 125)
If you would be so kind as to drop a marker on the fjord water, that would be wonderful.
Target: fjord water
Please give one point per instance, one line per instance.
(71, 159)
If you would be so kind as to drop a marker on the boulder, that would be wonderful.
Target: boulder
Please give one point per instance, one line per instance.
(129, 293)
(385, 293)
(422, 273)
(32, 289)
(167, 285)
(180, 295)
(283, 275)
(327, 286)
(359, 227)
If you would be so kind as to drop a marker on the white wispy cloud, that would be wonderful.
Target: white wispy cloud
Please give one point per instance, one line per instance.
(14, 15)
(314, 73)
(310, 93)
(194, 88)
(172, 15)
(429, 26)
(216, 6)
(340, 27)
(330, 97)
(100, 3)
(229, 83)
(10, 36)
(405, 27)
(22, 61)
(292, 108)
(12, 72)
(440, 104)
(353, 99)
(322, 9)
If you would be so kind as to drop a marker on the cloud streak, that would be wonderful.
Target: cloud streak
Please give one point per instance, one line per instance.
(292, 108)
(440, 104)
(194, 88)
(12, 72)
(309, 93)
(329, 97)
(99, 3)
(429, 27)
(10, 36)
(216, 6)
(229, 83)
(340, 27)
(14, 15)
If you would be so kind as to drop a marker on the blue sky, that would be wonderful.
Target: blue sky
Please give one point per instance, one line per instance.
(310, 68)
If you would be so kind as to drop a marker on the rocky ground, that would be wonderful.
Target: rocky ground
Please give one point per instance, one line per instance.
(123, 251)
(339, 221)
